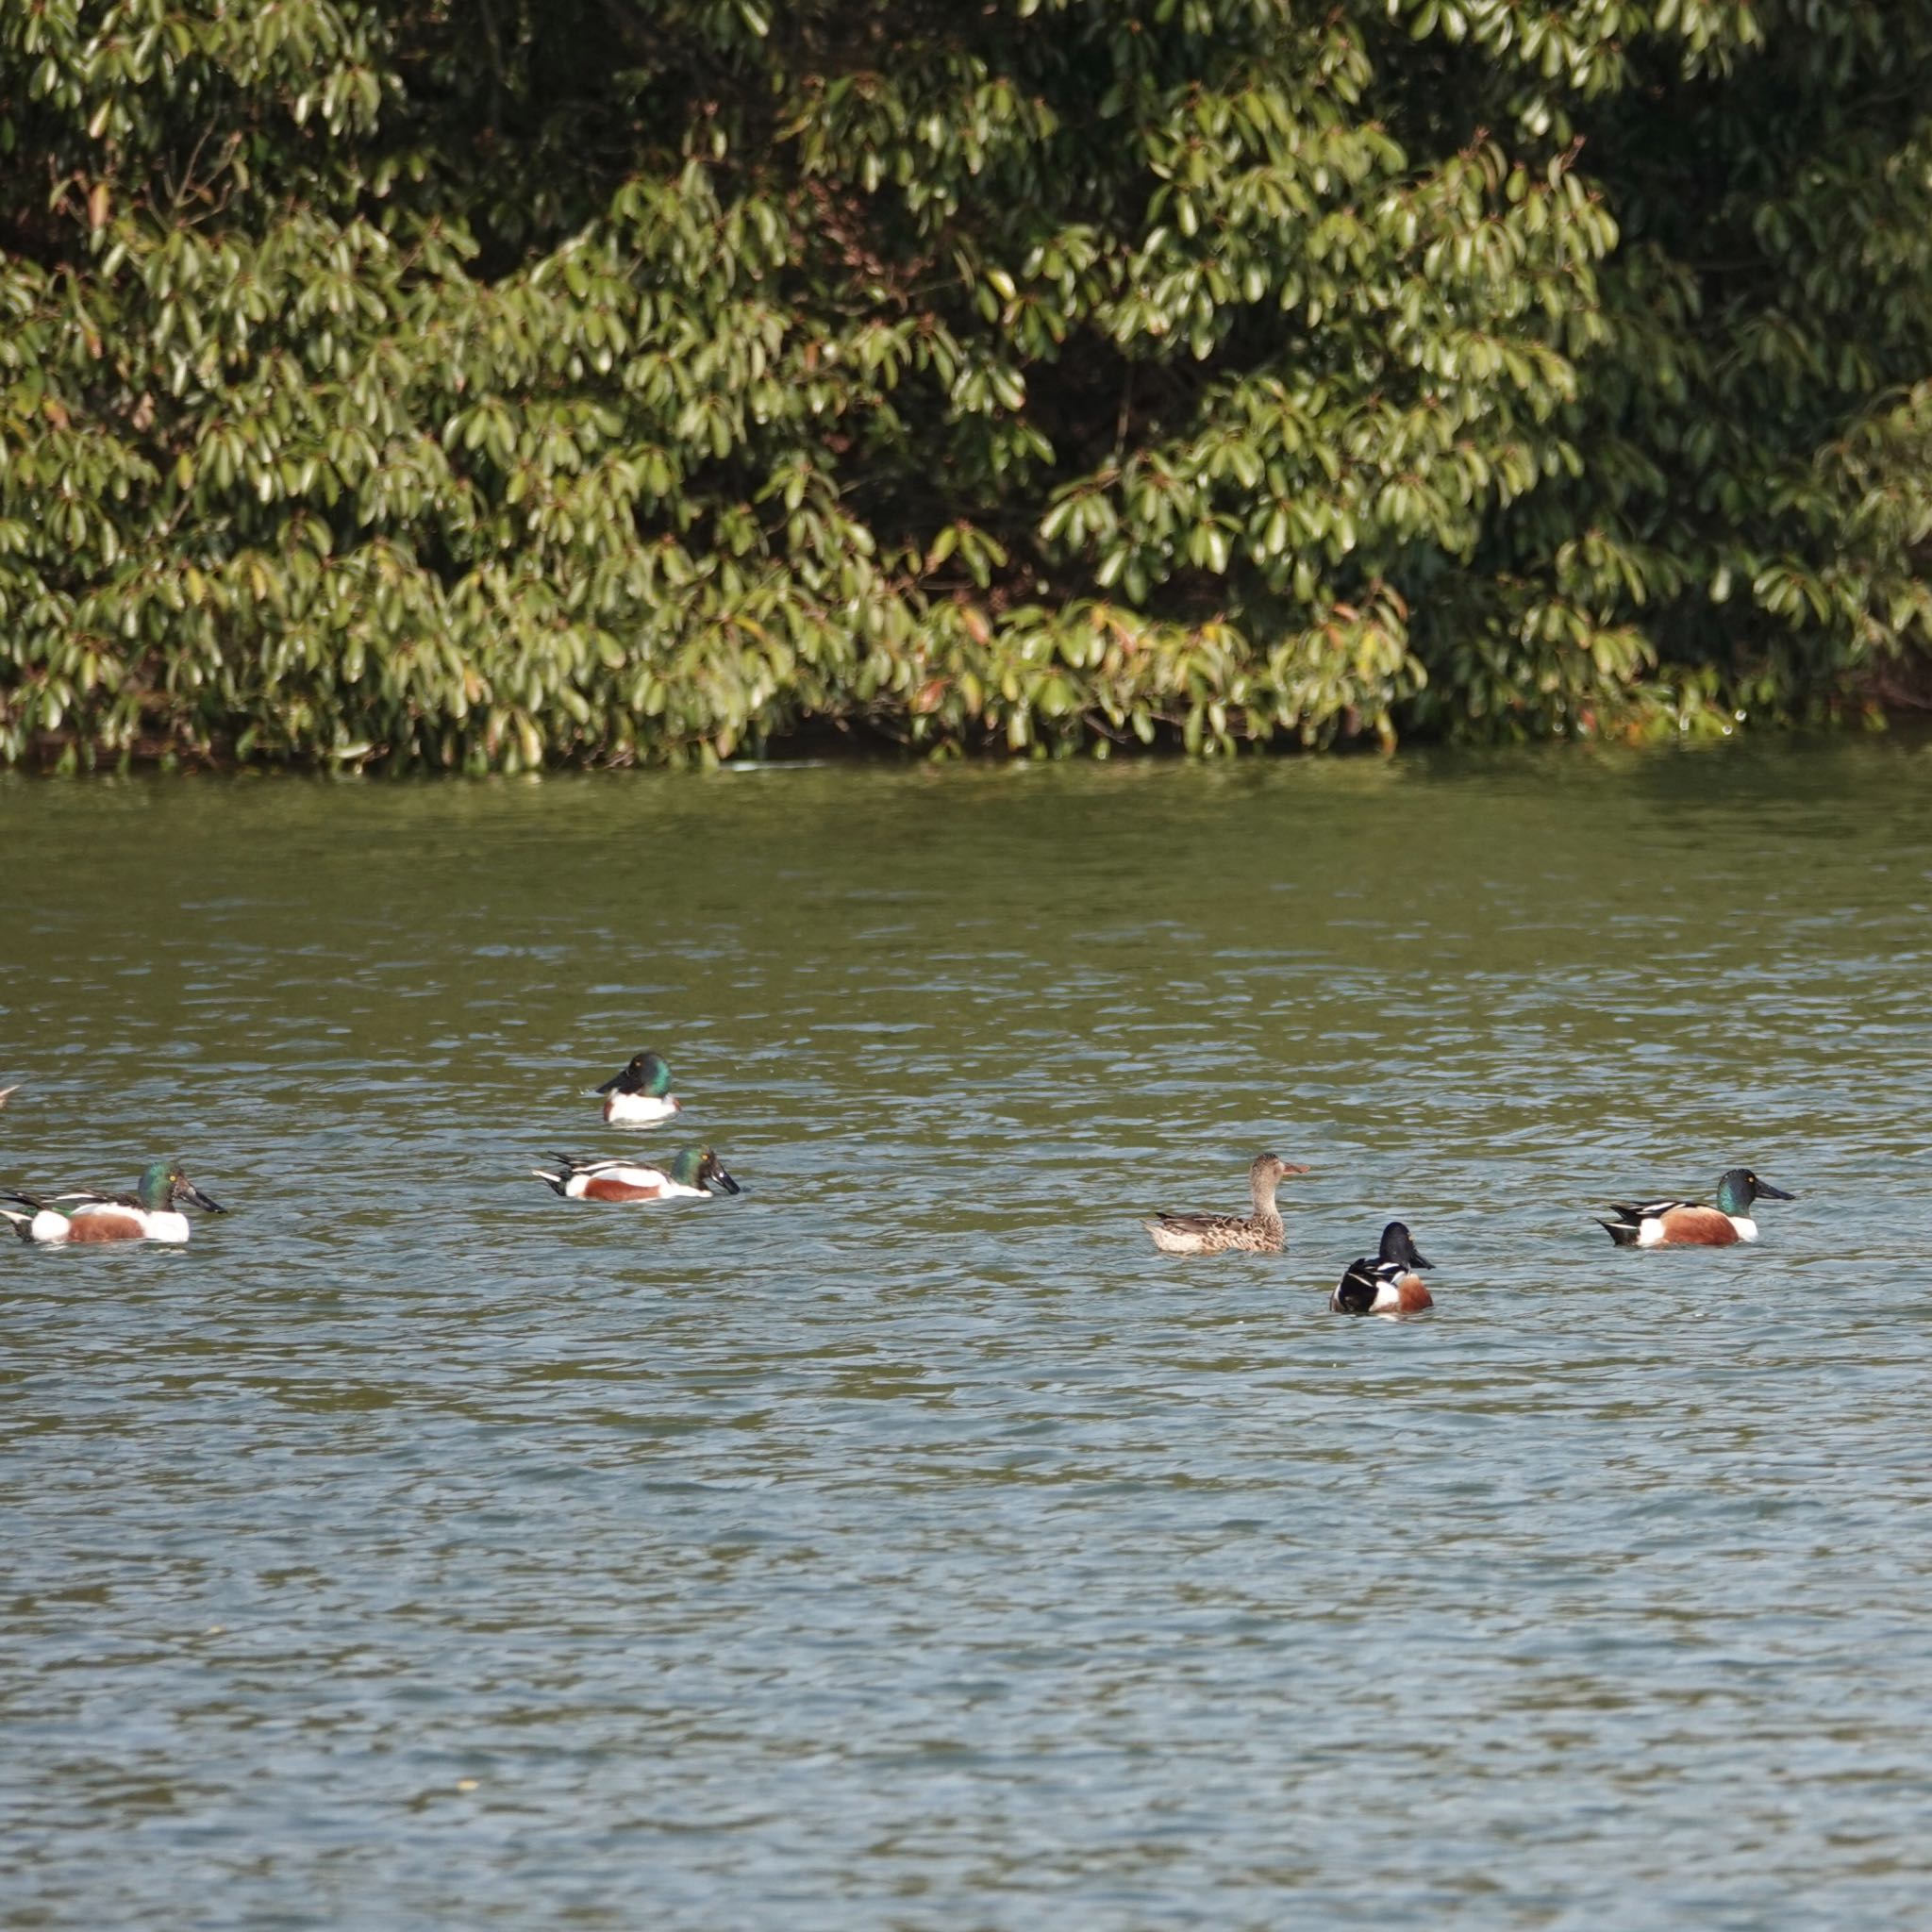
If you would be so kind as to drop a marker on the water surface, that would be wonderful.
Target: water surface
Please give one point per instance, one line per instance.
(906, 1544)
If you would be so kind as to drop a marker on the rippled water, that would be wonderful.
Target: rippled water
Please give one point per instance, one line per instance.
(906, 1544)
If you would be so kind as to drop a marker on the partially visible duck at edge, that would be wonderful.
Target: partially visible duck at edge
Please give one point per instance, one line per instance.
(148, 1214)
(696, 1174)
(640, 1095)
(1691, 1224)
(1386, 1283)
(1258, 1233)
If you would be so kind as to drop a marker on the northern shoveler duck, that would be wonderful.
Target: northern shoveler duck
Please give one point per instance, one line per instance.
(148, 1214)
(695, 1174)
(1258, 1233)
(1690, 1223)
(640, 1095)
(1386, 1283)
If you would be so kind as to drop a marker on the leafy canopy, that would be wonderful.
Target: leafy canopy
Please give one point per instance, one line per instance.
(489, 385)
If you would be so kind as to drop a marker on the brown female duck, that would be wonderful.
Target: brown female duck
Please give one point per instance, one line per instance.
(1258, 1233)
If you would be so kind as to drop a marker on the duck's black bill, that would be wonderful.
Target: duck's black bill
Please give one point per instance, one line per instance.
(721, 1180)
(1774, 1193)
(1418, 1259)
(610, 1085)
(193, 1194)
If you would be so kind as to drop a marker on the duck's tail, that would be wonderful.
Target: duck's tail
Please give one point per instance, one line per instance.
(1624, 1233)
(555, 1181)
(23, 1218)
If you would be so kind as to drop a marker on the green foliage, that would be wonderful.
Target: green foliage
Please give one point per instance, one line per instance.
(382, 381)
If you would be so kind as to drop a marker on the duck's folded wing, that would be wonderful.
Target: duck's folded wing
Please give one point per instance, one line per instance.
(625, 1173)
(1356, 1293)
(1649, 1210)
(1196, 1224)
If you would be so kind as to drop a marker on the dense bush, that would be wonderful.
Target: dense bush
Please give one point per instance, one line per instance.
(484, 385)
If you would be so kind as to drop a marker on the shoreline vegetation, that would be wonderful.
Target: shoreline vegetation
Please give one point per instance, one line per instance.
(608, 382)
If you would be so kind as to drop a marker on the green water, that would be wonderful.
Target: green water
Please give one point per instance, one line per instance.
(905, 1543)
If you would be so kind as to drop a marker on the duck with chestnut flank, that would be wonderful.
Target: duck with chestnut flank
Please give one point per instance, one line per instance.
(1386, 1283)
(1691, 1224)
(695, 1174)
(83, 1215)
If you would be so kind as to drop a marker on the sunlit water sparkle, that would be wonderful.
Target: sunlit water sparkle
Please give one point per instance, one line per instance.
(906, 1544)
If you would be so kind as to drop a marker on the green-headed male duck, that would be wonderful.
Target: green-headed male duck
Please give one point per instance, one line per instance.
(695, 1174)
(640, 1095)
(1690, 1223)
(148, 1214)
(1386, 1283)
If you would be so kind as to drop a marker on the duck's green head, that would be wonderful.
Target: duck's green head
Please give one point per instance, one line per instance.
(1739, 1187)
(698, 1167)
(1397, 1246)
(162, 1183)
(645, 1074)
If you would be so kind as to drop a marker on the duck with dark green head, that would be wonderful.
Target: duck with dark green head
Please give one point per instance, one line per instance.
(694, 1174)
(1387, 1282)
(1691, 1224)
(83, 1215)
(640, 1096)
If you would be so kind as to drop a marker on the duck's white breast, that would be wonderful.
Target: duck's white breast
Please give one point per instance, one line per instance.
(638, 1109)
